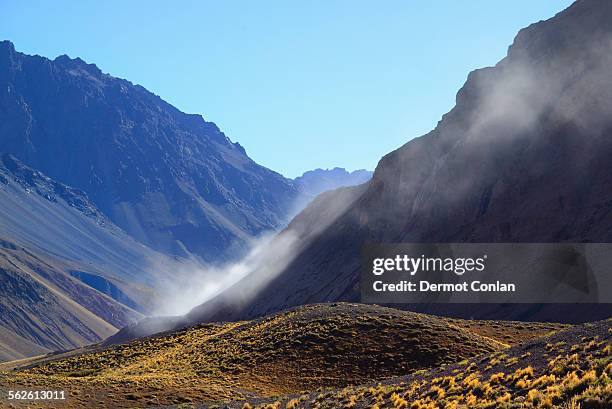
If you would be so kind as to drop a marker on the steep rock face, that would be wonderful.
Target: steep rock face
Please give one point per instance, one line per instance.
(524, 156)
(173, 181)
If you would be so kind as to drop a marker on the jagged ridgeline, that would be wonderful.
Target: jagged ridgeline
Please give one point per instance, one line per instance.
(172, 180)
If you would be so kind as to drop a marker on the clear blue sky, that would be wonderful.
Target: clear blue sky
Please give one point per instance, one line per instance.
(300, 84)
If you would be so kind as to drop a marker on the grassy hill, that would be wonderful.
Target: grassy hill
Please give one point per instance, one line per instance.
(570, 369)
(304, 349)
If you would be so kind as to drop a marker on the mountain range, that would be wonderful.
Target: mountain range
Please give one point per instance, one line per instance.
(315, 182)
(111, 200)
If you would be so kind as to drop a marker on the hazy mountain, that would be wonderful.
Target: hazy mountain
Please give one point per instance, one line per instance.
(524, 156)
(317, 181)
(68, 275)
(314, 182)
(49, 218)
(172, 180)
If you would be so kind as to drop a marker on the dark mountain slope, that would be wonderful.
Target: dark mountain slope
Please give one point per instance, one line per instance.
(172, 180)
(524, 156)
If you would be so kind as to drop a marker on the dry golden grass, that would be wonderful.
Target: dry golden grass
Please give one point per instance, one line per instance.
(572, 372)
(309, 348)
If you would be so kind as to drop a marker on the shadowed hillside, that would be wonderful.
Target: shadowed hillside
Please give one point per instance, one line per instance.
(59, 221)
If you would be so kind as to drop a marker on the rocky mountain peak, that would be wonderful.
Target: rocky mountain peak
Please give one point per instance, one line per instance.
(173, 180)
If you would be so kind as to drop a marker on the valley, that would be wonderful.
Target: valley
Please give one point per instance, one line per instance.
(147, 261)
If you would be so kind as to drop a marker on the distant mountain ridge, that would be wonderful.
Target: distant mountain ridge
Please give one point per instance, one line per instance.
(42, 309)
(314, 182)
(172, 180)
